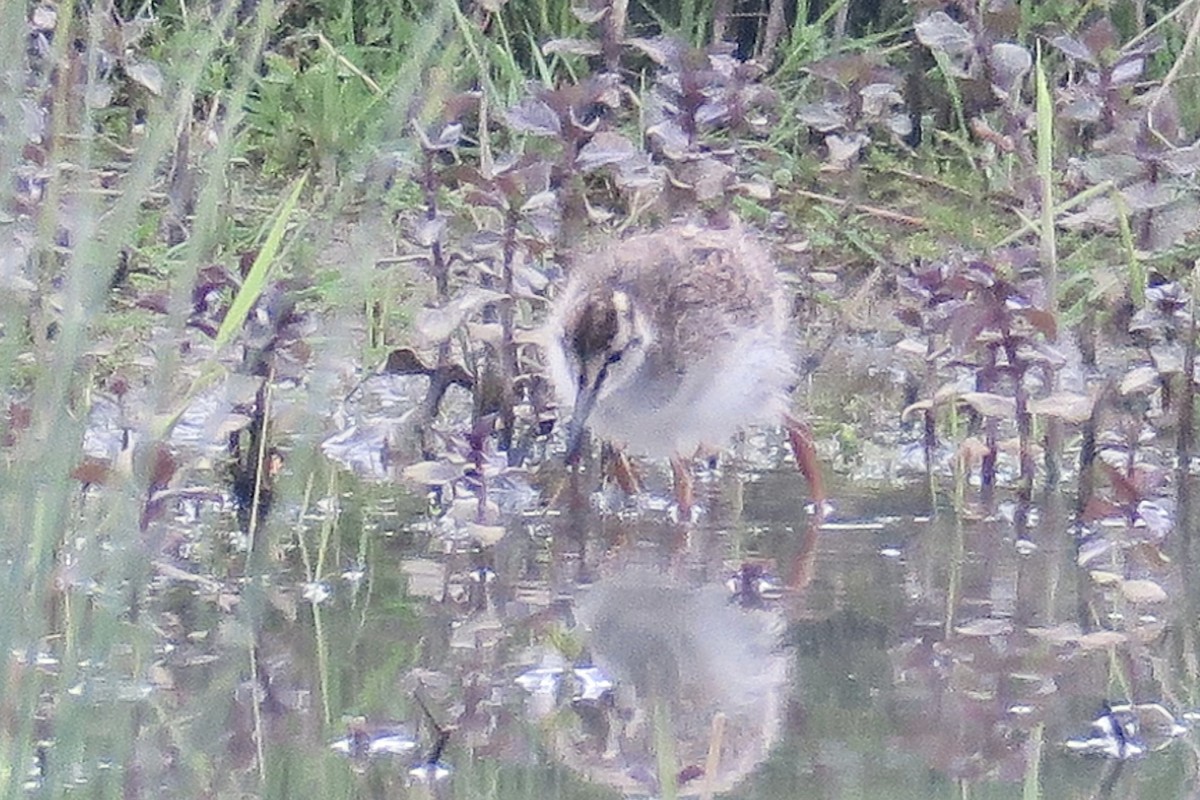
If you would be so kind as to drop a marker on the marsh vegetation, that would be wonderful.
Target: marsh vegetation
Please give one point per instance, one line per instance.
(285, 507)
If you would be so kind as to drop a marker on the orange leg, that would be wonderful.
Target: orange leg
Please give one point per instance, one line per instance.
(803, 563)
(624, 473)
(803, 447)
(800, 436)
(685, 495)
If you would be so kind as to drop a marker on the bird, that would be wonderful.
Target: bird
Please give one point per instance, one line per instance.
(671, 341)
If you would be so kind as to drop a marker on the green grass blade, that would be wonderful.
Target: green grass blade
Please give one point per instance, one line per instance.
(1045, 162)
(256, 280)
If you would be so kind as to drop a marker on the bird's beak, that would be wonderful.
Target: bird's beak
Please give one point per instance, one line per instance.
(584, 402)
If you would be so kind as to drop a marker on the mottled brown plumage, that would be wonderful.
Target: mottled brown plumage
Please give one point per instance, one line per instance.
(672, 339)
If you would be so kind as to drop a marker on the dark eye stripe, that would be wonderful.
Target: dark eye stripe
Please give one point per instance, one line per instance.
(617, 355)
(610, 359)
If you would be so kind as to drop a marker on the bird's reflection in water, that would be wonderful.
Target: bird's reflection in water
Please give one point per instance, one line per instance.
(698, 689)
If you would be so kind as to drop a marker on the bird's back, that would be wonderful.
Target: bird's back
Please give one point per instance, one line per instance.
(697, 283)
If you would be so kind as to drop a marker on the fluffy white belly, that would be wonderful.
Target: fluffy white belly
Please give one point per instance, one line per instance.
(745, 384)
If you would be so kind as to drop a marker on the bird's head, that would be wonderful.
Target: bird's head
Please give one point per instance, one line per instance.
(603, 344)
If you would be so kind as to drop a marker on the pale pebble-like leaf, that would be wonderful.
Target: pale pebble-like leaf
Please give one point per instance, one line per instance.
(1063, 633)
(1175, 222)
(148, 74)
(823, 117)
(1077, 107)
(844, 150)
(1158, 517)
(1139, 380)
(1092, 549)
(639, 172)
(758, 188)
(486, 332)
(878, 99)
(1097, 640)
(425, 577)
(1073, 49)
(1182, 160)
(671, 138)
(1149, 195)
(529, 281)
(706, 177)
(985, 626)
(428, 231)
(899, 124)
(1168, 357)
(1128, 71)
(533, 116)
(940, 32)
(487, 535)
(572, 47)
(432, 473)
(1067, 406)
(660, 49)
(1142, 590)
(990, 405)
(1104, 578)
(1117, 167)
(44, 18)
(99, 94)
(435, 325)
(606, 147)
(540, 201)
(1010, 62)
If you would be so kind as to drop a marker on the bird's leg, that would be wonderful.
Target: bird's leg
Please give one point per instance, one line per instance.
(803, 563)
(622, 470)
(685, 495)
(804, 449)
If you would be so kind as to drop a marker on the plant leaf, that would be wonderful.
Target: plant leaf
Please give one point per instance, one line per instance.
(256, 279)
(606, 147)
(990, 405)
(1067, 406)
(533, 116)
(147, 74)
(572, 47)
(940, 32)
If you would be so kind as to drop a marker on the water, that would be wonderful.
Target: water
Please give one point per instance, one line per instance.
(557, 640)
(921, 657)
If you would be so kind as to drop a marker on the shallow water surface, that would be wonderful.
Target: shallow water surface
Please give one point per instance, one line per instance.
(397, 630)
(892, 652)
